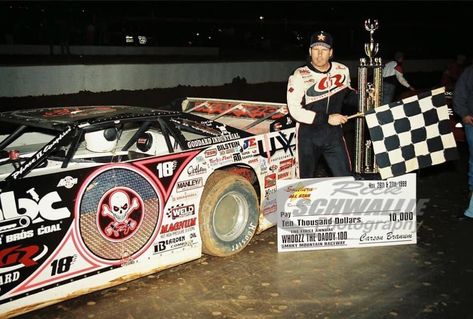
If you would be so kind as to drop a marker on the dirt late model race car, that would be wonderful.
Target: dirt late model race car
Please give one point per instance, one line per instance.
(91, 197)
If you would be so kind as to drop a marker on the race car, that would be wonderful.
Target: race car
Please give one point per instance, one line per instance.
(93, 196)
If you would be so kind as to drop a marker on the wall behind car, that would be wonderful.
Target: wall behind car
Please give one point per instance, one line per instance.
(38, 80)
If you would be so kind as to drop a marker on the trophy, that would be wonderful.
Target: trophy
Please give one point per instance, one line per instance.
(370, 88)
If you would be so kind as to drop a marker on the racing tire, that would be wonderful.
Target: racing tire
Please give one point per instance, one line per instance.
(229, 213)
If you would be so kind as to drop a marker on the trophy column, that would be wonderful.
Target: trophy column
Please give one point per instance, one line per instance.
(370, 88)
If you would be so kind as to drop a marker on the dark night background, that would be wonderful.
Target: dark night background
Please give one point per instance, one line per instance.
(240, 30)
(244, 29)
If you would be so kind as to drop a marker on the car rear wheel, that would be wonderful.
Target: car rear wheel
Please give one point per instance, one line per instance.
(229, 213)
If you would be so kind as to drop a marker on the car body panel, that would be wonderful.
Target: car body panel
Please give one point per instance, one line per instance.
(95, 220)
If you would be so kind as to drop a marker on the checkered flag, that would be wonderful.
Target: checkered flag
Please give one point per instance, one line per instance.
(411, 134)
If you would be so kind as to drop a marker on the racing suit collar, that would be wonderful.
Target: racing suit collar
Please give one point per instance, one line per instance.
(310, 66)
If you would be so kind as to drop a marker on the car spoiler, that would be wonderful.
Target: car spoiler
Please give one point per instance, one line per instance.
(247, 115)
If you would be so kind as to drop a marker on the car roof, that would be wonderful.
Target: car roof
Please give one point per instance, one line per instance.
(60, 117)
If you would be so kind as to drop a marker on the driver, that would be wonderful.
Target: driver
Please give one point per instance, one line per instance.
(316, 93)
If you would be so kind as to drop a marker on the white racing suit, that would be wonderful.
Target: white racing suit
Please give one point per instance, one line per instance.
(311, 97)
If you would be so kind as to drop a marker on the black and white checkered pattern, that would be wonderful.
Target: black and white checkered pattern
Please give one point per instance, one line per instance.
(411, 134)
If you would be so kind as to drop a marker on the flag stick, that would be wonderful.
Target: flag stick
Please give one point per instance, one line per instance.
(356, 115)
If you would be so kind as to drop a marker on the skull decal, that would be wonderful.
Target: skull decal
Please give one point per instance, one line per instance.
(120, 213)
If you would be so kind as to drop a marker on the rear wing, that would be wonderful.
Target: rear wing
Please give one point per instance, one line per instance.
(251, 116)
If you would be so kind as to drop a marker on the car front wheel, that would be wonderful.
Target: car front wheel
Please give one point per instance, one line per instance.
(229, 213)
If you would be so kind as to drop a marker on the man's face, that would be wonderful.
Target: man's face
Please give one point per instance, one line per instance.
(320, 56)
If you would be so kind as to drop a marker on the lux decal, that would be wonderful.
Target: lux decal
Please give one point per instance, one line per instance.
(281, 142)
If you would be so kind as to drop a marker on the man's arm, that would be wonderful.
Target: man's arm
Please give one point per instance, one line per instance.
(295, 97)
(400, 77)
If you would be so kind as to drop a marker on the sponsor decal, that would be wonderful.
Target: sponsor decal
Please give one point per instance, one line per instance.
(183, 197)
(19, 256)
(18, 236)
(48, 207)
(270, 180)
(43, 230)
(213, 140)
(170, 244)
(304, 71)
(127, 260)
(38, 156)
(249, 143)
(282, 142)
(270, 209)
(200, 159)
(189, 184)
(178, 225)
(286, 164)
(180, 211)
(299, 192)
(326, 84)
(13, 224)
(9, 277)
(211, 152)
(67, 182)
(166, 169)
(237, 157)
(270, 202)
(283, 175)
(248, 155)
(24, 234)
(268, 192)
(222, 128)
(221, 160)
(253, 160)
(194, 170)
(232, 146)
(263, 163)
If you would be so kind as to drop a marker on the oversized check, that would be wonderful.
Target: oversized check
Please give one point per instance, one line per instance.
(341, 212)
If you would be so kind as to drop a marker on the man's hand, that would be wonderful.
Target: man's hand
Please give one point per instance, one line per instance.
(337, 119)
(468, 119)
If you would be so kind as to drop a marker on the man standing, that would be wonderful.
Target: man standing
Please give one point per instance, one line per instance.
(463, 106)
(452, 72)
(393, 74)
(316, 93)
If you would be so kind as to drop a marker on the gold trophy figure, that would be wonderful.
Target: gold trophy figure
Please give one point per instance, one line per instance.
(370, 88)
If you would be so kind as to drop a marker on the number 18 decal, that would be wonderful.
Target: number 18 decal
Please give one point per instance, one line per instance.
(166, 169)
